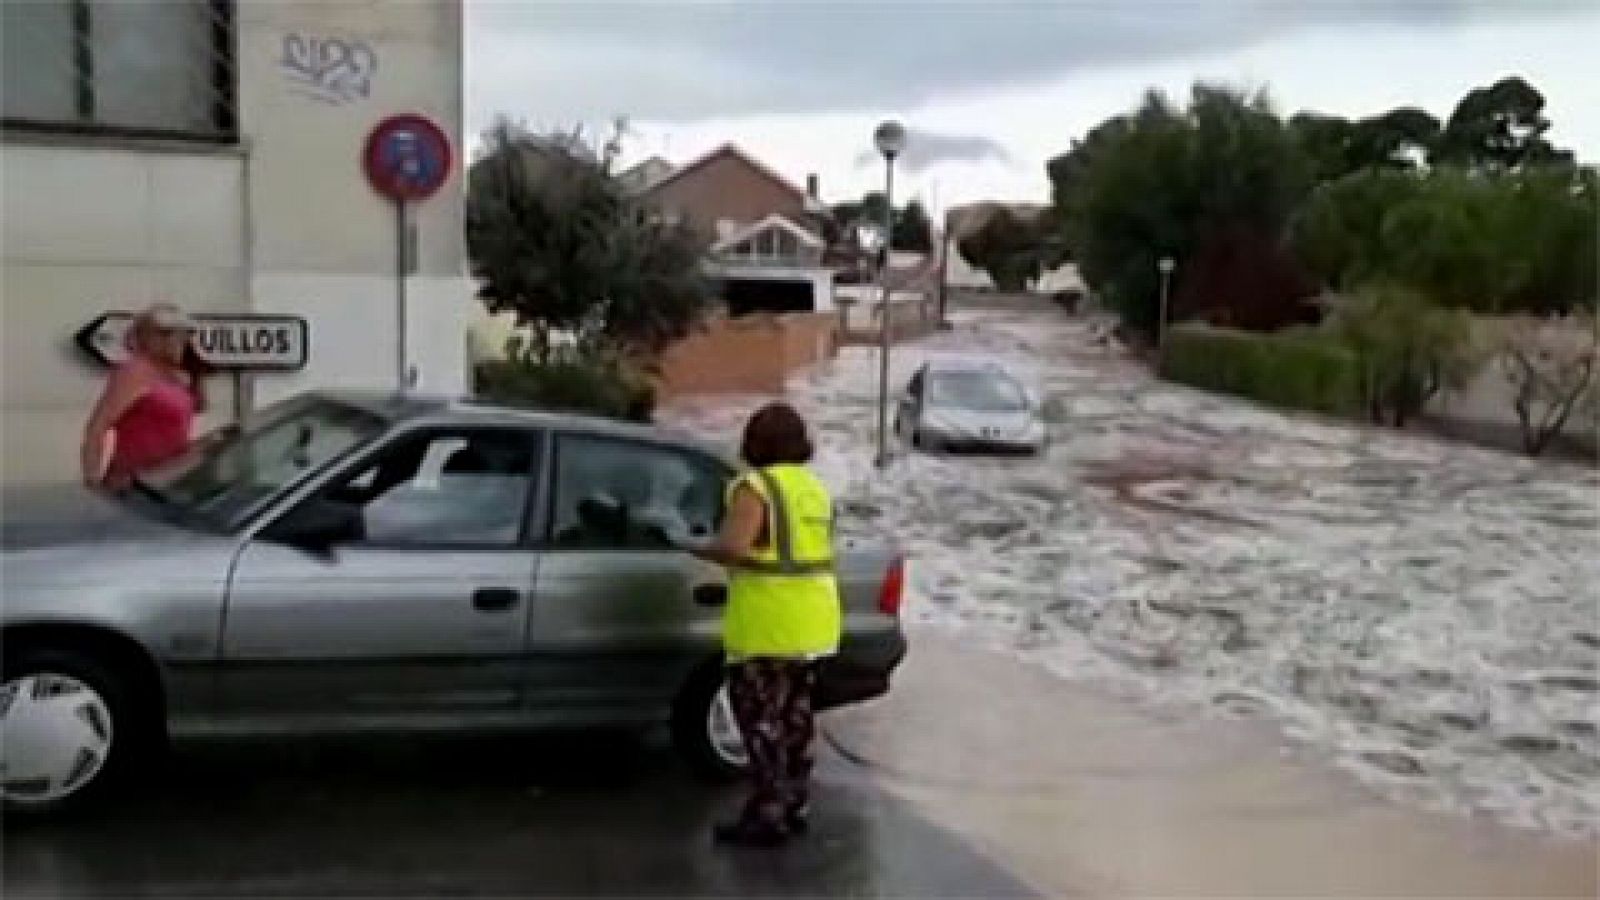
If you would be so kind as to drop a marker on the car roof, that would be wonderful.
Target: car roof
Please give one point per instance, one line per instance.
(965, 366)
(436, 409)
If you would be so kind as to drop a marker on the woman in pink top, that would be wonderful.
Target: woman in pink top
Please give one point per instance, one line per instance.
(146, 411)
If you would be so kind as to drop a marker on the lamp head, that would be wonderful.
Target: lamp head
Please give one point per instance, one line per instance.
(890, 138)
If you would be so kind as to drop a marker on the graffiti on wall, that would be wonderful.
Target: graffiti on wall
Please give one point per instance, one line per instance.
(329, 70)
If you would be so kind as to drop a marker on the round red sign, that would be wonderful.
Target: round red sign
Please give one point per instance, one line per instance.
(407, 157)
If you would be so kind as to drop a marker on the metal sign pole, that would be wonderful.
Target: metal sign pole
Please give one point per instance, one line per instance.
(401, 381)
(241, 399)
(407, 158)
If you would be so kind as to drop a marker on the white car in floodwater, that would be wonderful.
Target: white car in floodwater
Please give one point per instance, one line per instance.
(969, 405)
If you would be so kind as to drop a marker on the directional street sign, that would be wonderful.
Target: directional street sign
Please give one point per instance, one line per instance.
(242, 341)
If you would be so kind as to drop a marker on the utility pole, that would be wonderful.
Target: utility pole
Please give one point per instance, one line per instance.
(890, 138)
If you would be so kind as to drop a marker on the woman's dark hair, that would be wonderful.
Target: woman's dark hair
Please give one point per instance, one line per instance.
(775, 435)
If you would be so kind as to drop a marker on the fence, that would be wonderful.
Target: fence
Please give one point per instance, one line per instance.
(911, 314)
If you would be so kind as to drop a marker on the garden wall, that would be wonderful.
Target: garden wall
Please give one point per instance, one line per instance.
(750, 354)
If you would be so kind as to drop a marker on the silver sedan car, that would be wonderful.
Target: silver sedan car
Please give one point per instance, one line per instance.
(960, 405)
(376, 563)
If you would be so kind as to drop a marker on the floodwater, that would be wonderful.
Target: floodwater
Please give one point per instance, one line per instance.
(1421, 613)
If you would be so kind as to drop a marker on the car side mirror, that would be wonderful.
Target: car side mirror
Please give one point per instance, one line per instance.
(316, 526)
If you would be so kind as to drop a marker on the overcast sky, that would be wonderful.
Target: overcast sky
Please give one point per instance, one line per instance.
(991, 89)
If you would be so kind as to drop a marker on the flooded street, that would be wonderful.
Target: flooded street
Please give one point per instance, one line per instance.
(1194, 649)
(1083, 793)
(503, 816)
(1418, 612)
(1147, 663)
(979, 775)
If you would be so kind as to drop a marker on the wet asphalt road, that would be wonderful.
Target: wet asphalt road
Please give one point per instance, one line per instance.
(583, 815)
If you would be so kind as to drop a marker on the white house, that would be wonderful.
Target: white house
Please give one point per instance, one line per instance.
(210, 153)
(766, 247)
(773, 253)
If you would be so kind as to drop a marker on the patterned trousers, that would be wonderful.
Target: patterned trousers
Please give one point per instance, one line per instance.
(771, 700)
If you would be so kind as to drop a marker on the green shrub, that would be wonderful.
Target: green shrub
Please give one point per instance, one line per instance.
(580, 386)
(1297, 368)
(1408, 348)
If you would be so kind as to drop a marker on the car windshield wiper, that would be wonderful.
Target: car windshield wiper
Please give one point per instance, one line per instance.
(148, 490)
(168, 508)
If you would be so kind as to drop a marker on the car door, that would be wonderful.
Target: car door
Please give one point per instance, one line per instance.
(621, 616)
(421, 612)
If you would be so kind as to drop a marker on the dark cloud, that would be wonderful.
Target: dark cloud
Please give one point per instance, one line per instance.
(670, 62)
(926, 149)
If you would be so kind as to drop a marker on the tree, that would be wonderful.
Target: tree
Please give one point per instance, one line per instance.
(1069, 177)
(1494, 242)
(1547, 227)
(1007, 248)
(1500, 127)
(912, 229)
(1551, 364)
(1338, 233)
(556, 240)
(1336, 147)
(1326, 143)
(913, 232)
(1164, 182)
(1406, 347)
(1398, 139)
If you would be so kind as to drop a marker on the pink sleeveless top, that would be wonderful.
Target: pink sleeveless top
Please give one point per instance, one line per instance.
(156, 427)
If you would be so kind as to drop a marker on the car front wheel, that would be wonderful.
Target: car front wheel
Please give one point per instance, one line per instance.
(68, 730)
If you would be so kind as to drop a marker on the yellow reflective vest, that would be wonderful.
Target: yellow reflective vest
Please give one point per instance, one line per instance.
(783, 601)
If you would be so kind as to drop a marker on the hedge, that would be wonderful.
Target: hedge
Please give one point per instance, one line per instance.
(1296, 368)
(572, 386)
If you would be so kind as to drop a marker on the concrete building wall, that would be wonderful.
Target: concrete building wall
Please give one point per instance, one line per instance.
(323, 241)
(281, 222)
(85, 229)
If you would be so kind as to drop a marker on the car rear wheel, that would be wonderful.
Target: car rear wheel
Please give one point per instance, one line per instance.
(704, 729)
(70, 731)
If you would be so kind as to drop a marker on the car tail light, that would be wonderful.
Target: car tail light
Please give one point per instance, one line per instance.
(894, 587)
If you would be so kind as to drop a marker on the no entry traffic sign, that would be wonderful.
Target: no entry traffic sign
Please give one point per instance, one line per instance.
(407, 158)
(242, 342)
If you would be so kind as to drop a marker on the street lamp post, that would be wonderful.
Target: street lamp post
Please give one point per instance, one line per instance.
(1166, 264)
(890, 138)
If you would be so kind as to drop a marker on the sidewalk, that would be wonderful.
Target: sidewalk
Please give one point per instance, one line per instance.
(1081, 794)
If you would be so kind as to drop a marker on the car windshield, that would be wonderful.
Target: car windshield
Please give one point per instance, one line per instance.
(976, 391)
(222, 478)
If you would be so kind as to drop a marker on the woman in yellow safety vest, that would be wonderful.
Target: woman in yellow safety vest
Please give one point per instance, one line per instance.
(782, 617)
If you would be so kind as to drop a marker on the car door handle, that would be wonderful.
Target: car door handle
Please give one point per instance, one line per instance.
(711, 595)
(494, 599)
